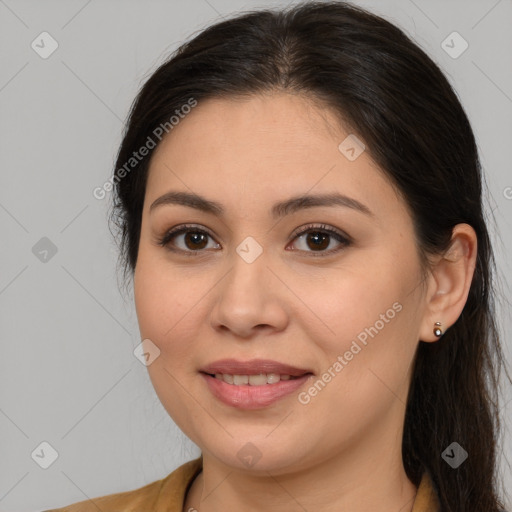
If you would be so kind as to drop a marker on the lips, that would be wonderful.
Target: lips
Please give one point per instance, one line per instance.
(253, 367)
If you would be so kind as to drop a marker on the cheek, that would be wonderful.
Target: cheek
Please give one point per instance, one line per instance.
(366, 365)
(154, 300)
(369, 335)
(150, 310)
(372, 331)
(162, 305)
(358, 305)
(168, 304)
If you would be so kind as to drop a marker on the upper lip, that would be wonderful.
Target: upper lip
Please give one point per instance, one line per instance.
(253, 367)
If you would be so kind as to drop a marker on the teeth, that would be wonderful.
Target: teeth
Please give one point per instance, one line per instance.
(253, 380)
(240, 379)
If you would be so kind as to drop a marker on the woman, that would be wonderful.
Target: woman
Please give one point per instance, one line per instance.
(298, 194)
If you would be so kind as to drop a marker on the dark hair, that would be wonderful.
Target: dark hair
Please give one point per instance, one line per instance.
(395, 99)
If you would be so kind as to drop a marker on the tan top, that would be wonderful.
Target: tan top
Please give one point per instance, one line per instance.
(168, 495)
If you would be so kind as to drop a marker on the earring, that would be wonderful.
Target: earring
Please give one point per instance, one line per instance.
(437, 329)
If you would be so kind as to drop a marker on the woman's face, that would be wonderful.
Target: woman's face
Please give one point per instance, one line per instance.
(241, 285)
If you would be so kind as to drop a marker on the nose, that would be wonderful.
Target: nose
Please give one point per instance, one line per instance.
(250, 299)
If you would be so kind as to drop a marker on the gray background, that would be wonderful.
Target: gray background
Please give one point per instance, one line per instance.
(68, 375)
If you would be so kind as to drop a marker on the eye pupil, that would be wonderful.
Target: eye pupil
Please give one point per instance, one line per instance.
(195, 238)
(315, 236)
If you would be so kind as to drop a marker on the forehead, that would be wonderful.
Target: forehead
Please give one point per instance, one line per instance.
(279, 122)
(264, 145)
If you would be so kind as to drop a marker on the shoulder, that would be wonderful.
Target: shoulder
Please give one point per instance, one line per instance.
(167, 492)
(427, 499)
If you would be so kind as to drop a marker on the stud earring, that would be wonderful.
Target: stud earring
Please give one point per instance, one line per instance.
(437, 329)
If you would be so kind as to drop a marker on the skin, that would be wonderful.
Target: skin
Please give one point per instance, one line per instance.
(342, 450)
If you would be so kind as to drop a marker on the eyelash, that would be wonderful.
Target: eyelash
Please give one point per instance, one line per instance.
(344, 240)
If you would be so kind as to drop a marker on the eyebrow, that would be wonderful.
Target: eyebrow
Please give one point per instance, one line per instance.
(278, 210)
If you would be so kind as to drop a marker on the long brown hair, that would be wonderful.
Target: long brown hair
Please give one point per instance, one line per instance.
(397, 100)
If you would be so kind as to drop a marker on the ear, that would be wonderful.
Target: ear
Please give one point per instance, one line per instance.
(449, 282)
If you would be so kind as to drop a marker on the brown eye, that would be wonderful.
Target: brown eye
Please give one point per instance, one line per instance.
(192, 239)
(195, 240)
(319, 238)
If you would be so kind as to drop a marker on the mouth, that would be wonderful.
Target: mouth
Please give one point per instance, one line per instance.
(255, 372)
(253, 384)
(259, 379)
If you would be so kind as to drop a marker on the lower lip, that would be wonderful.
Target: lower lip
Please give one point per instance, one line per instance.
(252, 397)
